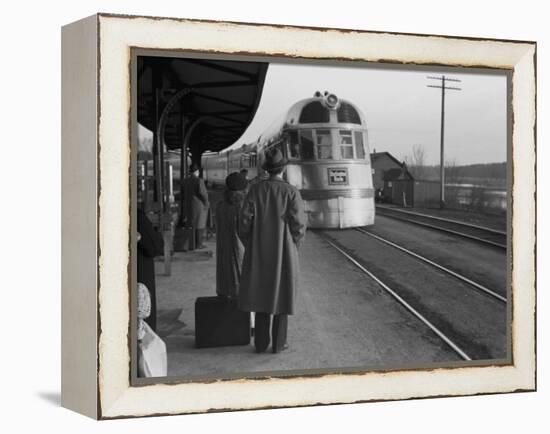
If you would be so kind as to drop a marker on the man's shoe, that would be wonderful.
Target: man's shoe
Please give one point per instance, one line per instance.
(261, 350)
(284, 347)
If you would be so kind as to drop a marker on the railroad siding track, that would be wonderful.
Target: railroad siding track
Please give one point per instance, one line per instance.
(491, 292)
(479, 262)
(473, 232)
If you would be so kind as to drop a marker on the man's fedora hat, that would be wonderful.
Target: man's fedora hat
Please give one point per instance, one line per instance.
(274, 159)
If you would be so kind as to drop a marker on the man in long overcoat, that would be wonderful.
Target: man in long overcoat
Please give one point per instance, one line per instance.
(195, 196)
(272, 225)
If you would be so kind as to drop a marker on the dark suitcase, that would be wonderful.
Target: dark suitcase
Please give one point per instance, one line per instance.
(218, 323)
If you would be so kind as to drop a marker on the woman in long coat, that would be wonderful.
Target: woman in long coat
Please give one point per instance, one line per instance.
(229, 248)
(273, 224)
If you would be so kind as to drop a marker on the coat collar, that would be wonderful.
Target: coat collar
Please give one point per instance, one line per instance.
(275, 178)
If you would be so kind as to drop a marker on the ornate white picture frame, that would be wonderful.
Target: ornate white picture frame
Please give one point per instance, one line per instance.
(96, 161)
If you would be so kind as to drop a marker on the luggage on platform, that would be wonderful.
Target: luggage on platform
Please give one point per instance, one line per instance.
(219, 323)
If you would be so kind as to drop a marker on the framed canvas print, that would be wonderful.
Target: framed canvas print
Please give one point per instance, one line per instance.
(260, 216)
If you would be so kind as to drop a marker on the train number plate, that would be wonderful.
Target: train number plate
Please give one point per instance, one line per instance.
(337, 176)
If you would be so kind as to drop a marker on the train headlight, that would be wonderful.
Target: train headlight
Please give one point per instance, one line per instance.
(332, 100)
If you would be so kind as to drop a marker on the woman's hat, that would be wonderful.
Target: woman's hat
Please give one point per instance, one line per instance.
(235, 182)
(194, 168)
(144, 301)
(274, 160)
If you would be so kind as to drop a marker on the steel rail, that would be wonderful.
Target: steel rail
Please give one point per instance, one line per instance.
(400, 300)
(442, 229)
(436, 265)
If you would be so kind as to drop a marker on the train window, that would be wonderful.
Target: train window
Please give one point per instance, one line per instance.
(306, 141)
(346, 145)
(348, 115)
(314, 112)
(359, 148)
(324, 145)
(345, 137)
(293, 145)
(280, 147)
(294, 150)
(346, 152)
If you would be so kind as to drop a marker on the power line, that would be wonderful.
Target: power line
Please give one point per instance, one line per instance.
(443, 88)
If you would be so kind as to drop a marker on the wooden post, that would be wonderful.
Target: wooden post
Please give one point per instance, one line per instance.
(183, 172)
(167, 231)
(160, 134)
(145, 174)
(442, 152)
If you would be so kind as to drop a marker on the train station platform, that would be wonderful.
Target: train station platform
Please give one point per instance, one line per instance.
(343, 320)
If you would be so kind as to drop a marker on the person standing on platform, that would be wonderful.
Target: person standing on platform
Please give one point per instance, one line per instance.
(150, 244)
(272, 226)
(229, 248)
(196, 204)
(244, 174)
(261, 176)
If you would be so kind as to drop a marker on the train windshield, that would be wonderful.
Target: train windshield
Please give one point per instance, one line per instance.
(359, 147)
(293, 145)
(346, 145)
(324, 145)
(306, 141)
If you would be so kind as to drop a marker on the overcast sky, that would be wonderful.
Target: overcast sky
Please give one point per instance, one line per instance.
(400, 110)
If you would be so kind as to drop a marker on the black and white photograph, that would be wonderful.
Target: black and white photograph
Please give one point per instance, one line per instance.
(278, 216)
(296, 217)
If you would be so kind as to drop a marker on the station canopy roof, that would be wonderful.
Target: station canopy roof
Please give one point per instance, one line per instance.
(227, 92)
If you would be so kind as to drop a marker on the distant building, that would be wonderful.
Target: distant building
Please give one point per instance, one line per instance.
(392, 181)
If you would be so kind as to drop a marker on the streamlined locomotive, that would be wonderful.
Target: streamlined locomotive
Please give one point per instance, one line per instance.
(325, 140)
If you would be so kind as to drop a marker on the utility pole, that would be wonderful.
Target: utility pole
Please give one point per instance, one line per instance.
(442, 153)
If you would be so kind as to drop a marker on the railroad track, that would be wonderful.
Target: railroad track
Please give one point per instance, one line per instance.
(470, 231)
(460, 349)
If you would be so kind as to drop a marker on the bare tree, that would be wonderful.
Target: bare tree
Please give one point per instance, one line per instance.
(416, 161)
